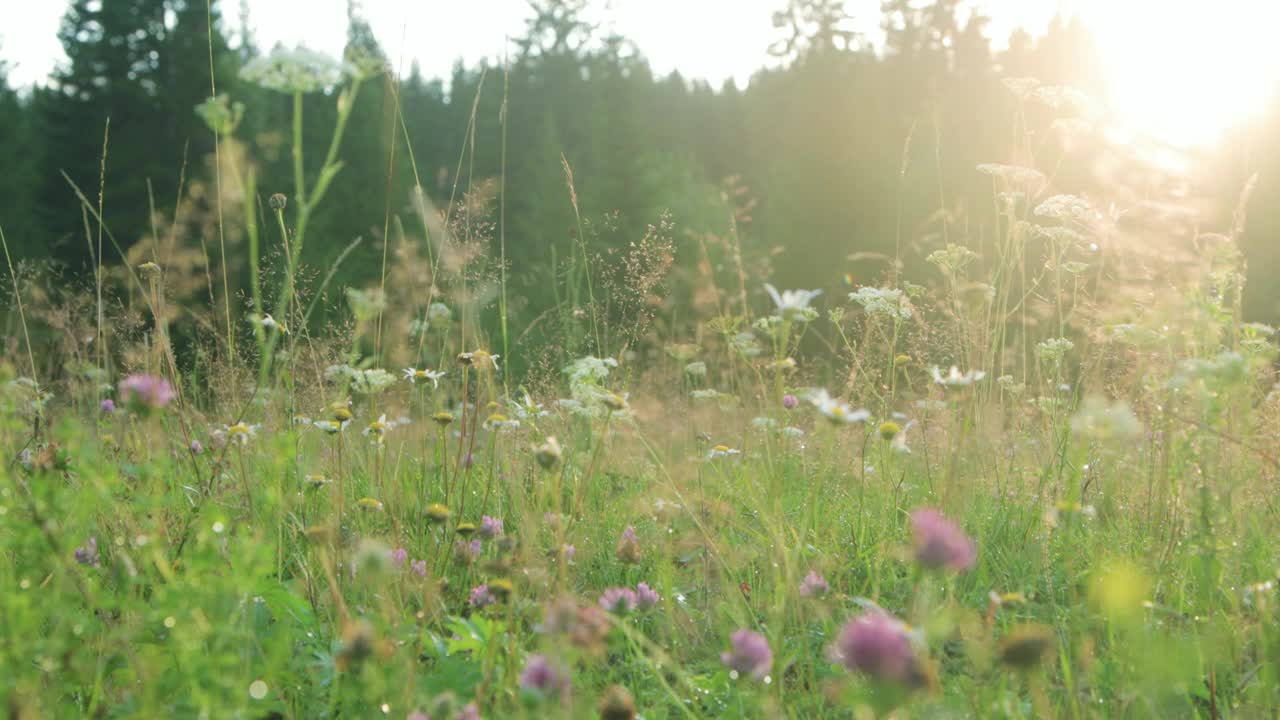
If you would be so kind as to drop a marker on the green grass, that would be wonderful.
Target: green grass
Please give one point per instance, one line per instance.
(1112, 457)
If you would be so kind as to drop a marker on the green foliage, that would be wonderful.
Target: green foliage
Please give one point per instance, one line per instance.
(561, 378)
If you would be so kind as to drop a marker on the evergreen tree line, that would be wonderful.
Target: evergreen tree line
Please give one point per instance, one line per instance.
(843, 154)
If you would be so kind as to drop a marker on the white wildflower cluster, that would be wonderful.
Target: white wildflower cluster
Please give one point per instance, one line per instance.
(725, 400)
(953, 258)
(697, 369)
(882, 302)
(770, 324)
(1054, 350)
(588, 394)
(366, 382)
(1011, 386)
(220, 114)
(1067, 208)
(746, 344)
(300, 70)
(1098, 419)
(362, 62)
(1059, 236)
(1226, 368)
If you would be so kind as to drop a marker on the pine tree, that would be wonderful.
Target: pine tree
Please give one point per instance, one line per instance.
(142, 66)
(19, 155)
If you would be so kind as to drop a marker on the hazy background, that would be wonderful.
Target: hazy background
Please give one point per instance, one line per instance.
(840, 131)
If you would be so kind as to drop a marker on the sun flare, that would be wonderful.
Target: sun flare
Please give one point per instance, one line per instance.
(1185, 72)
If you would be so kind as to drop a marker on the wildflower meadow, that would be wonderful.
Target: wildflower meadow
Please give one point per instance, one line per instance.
(1022, 467)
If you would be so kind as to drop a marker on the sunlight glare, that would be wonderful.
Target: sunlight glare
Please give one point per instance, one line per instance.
(1185, 72)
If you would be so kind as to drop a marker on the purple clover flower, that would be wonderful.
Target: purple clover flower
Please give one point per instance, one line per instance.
(646, 597)
(399, 556)
(490, 527)
(940, 544)
(628, 550)
(87, 554)
(790, 401)
(467, 552)
(814, 585)
(750, 654)
(540, 676)
(618, 600)
(480, 597)
(144, 393)
(107, 406)
(877, 644)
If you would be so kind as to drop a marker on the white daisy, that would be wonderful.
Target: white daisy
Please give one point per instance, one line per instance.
(955, 378)
(413, 375)
(792, 304)
(837, 411)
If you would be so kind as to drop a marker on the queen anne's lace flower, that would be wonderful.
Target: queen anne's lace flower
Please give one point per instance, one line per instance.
(300, 70)
(883, 302)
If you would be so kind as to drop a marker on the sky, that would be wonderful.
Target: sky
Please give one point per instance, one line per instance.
(1179, 69)
(710, 39)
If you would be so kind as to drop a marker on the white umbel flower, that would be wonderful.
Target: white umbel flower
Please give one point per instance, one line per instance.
(292, 71)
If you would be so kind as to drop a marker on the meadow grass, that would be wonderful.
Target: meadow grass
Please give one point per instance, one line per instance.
(1038, 485)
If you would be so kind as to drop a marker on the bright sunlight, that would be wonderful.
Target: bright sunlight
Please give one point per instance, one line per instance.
(1187, 71)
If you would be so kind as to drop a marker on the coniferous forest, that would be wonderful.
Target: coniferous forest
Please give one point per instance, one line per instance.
(903, 380)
